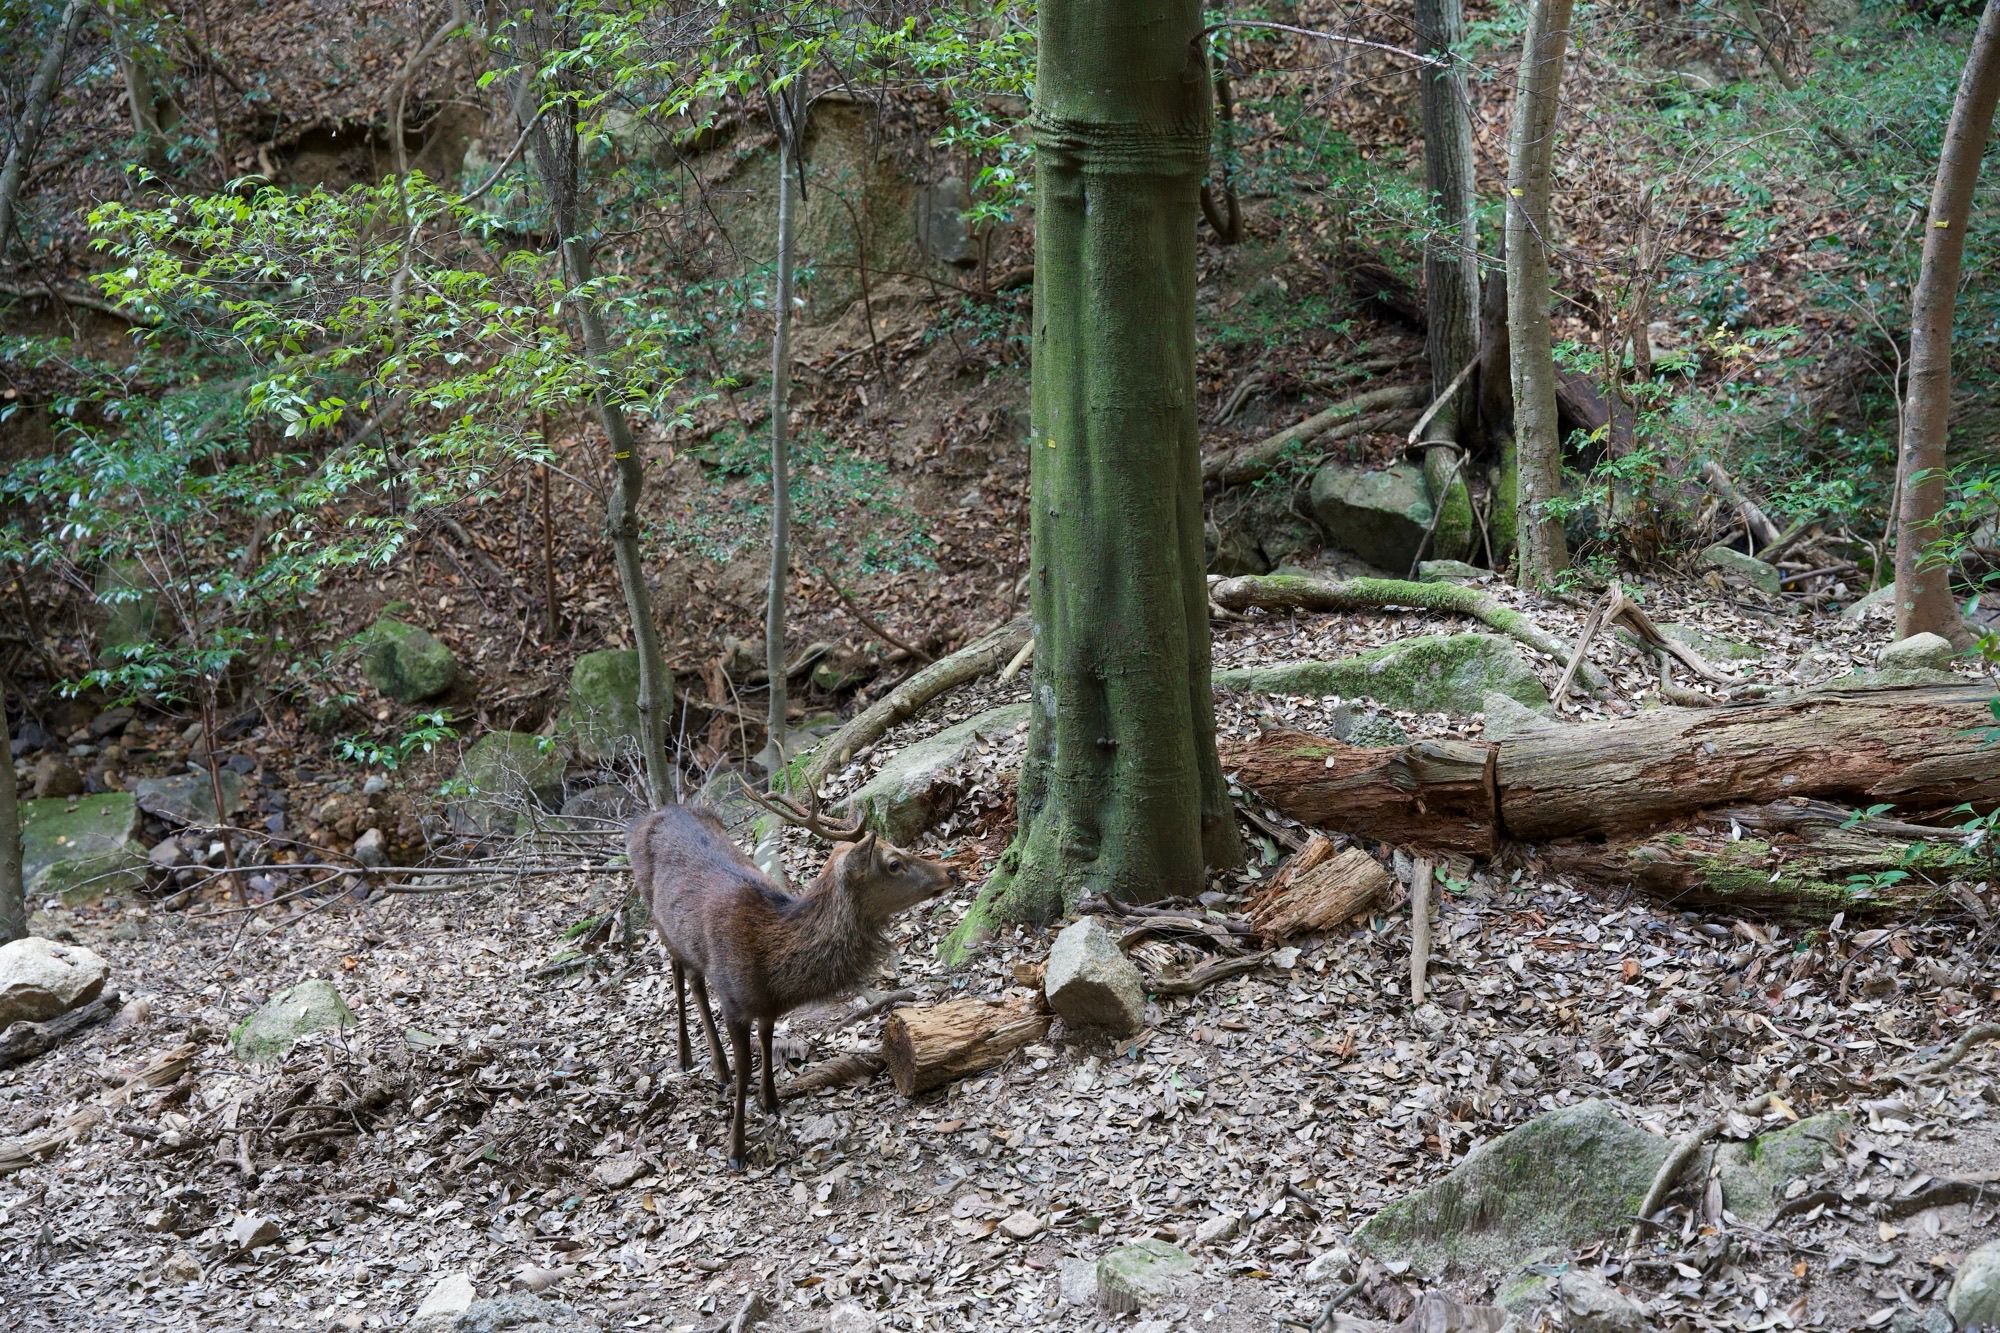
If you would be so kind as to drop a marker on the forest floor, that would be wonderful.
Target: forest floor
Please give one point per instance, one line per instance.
(526, 1126)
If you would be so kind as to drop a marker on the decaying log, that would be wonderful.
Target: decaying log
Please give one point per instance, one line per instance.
(1318, 890)
(930, 1046)
(1374, 409)
(1199, 979)
(22, 1042)
(1919, 748)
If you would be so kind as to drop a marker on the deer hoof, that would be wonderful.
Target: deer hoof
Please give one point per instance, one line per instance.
(736, 1164)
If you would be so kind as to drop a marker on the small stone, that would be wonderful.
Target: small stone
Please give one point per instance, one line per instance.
(252, 1230)
(847, 1317)
(1919, 652)
(1334, 1265)
(618, 1172)
(109, 722)
(1595, 1306)
(1022, 1225)
(182, 1267)
(1218, 1229)
(288, 1017)
(1077, 1279)
(368, 849)
(158, 1219)
(274, 824)
(1134, 1277)
(1091, 983)
(450, 1296)
(1975, 1292)
(56, 777)
(374, 785)
(40, 979)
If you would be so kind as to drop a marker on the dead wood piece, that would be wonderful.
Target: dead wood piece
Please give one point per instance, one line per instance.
(1374, 409)
(1760, 526)
(930, 1046)
(1432, 795)
(1959, 1050)
(1287, 592)
(1420, 927)
(1208, 974)
(27, 1149)
(1320, 898)
(853, 1067)
(22, 1042)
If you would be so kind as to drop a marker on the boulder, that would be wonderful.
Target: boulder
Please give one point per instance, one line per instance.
(1555, 1184)
(40, 979)
(1380, 515)
(405, 661)
(1140, 1276)
(601, 716)
(1975, 1293)
(1755, 1172)
(288, 1018)
(1505, 717)
(509, 1312)
(1592, 1305)
(1091, 983)
(1716, 649)
(1451, 571)
(56, 777)
(920, 783)
(1732, 563)
(502, 775)
(1437, 673)
(80, 850)
(1880, 602)
(605, 804)
(189, 798)
(1919, 652)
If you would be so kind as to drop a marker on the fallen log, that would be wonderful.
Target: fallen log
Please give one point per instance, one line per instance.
(1917, 748)
(928, 1047)
(1375, 409)
(22, 1042)
(1300, 592)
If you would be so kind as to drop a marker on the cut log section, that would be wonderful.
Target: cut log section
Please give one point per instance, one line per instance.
(930, 1046)
(1318, 890)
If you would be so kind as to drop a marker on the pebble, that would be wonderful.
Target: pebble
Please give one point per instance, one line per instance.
(1022, 1225)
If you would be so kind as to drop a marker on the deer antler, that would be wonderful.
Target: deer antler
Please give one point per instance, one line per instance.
(807, 817)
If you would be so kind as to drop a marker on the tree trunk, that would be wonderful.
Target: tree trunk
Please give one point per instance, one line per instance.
(1543, 553)
(1451, 252)
(153, 112)
(787, 113)
(1121, 791)
(1923, 591)
(13, 892)
(1919, 748)
(34, 119)
(554, 148)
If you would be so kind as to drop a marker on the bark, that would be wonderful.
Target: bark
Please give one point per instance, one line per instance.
(929, 1047)
(1372, 409)
(1916, 748)
(1451, 263)
(553, 146)
(1121, 792)
(35, 117)
(787, 112)
(1318, 890)
(13, 893)
(21, 1042)
(1226, 216)
(1543, 552)
(153, 111)
(1923, 592)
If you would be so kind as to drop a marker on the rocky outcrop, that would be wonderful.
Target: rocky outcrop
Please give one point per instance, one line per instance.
(503, 775)
(189, 798)
(79, 850)
(1446, 673)
(1378, 515)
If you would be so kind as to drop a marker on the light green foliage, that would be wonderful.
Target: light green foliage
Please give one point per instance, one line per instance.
(422, 734)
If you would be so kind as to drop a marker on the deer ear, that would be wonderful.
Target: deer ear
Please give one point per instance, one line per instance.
(865, 847)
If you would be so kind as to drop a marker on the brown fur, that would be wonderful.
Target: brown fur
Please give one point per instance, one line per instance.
(762, 951)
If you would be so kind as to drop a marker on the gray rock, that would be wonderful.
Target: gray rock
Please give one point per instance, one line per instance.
(1919, 652)
(1554, 1184)
(449, 1297)
(1232, 550)
(189, 798)
(1975, 1293)
(79, 850)
(1755, 1172)
(920, 783)
(1451, 571)
(1714, 648)
(510, 1312)
(1140, 1276)
(288, 1018)
(1218, 1229)
(1091, 983)
(605, 803)
(1443, 673)
(40, 979)
(405, 661)
(368, 849)
(942, 231)
(1592, 1305)
(1880, 602)
(1732, 563)
(167, 854)
(1077, 1280)
(503, 775)
(1379, 516)
(601, 715)
(56, 777)
(109, 723)
(1505, 717)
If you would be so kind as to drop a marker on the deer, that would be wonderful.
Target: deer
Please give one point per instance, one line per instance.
(725, 926)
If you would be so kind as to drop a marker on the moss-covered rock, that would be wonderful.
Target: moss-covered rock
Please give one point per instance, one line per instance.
(1734, 564)
(1139, 1276)
(921, 781)
(189, 798)
(1755, 1172)
(601, 715)
(503, 775)
(287, 1018)
(1378, 515)
(1451, 500)
(1554, 1184)
(1438, 673)
(79, 850)
(406, 662)
(1451, 571)
(1975, 1293)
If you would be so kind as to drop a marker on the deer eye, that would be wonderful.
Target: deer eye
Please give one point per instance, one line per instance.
(895, 864)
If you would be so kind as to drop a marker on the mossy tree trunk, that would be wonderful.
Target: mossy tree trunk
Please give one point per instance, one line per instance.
(1451, 268)
(788, 106)
(1532, 369)
(35, 118)
(553, 146)
(142, 63)
(1923, 592)
(1121, 791)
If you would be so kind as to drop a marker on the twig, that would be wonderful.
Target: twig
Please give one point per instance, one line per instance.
(1591, 628)
(1019, 660)
(1420, 927)
(1959, 1050)
(1201, 978)
(1676, 1161)
(1342, 38)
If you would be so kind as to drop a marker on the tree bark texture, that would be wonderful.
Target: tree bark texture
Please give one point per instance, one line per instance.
(1121, 792)
(1923, 591)
(1451, 253)
(787, 111)
(553, 145)
(929, 1047)
(1917, 748)
(1532, 369)
(35, 116)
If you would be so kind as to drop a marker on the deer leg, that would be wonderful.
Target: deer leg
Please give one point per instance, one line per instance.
(716, 1058)
(767, 1095)
(681, 1012)
(739, 1042)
